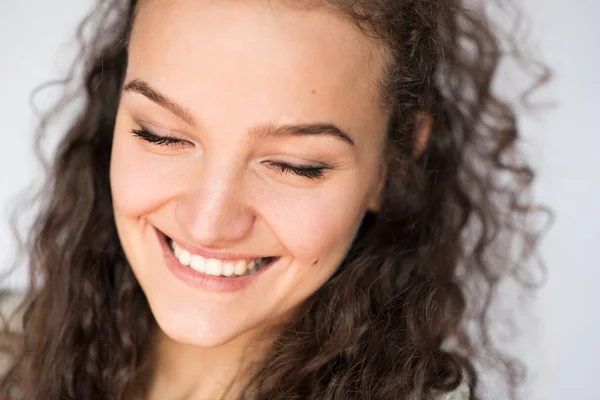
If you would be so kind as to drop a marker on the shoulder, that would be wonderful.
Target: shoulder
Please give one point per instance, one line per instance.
(462, 392)
(9, 301)
(11, 324)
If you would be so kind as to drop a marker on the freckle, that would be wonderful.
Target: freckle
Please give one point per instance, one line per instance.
(316, 261)
(314, 91)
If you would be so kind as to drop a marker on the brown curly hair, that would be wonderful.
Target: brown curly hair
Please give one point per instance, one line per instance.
(408, 309)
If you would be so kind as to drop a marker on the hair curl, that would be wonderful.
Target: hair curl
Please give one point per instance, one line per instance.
(406, 312)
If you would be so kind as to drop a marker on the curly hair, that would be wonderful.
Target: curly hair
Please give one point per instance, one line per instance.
(407, 311)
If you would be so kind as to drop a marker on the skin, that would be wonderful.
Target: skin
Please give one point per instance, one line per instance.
(235, 66)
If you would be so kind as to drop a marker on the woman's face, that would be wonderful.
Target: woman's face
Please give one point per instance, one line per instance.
(245, 91)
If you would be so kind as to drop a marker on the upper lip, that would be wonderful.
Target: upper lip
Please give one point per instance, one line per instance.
(193, 249)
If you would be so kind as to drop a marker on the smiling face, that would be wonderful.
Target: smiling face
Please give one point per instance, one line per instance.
(245, 93)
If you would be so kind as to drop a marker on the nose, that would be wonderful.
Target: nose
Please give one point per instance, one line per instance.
(214, 212)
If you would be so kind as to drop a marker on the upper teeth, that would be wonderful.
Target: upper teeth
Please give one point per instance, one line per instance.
(214, 266)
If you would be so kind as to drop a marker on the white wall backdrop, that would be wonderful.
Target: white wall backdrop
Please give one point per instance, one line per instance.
(564, 143)
(568, 34)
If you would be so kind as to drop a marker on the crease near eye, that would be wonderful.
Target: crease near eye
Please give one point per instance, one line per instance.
(159, 140)
(307, 171)
(313, 172)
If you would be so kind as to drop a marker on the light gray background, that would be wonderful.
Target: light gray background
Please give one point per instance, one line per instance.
(563, 348)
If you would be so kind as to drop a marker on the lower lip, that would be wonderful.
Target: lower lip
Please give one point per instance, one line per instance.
(206, 281)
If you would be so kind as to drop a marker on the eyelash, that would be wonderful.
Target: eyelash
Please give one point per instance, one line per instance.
(156, 139)
(307, 171)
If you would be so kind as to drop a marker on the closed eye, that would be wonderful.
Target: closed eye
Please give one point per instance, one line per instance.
(159, 140)
(307, 171)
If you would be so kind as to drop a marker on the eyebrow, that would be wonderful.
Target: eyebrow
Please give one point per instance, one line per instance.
(267, 130)
(143, 88)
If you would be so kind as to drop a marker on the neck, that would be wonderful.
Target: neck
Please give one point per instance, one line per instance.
(184, 371)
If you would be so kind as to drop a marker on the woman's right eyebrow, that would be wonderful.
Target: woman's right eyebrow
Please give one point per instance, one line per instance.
(266, 130)
(143, 88)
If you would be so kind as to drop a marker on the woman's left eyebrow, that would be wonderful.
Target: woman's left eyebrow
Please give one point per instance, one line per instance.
(325, 129)
(267, 130)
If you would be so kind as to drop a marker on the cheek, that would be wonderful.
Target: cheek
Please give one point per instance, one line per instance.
(140, 181)
(316, 224)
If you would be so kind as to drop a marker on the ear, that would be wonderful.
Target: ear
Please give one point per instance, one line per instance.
(422, 133)
(375, 200)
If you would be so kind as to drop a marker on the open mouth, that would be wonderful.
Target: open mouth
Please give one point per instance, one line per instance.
(216, 267)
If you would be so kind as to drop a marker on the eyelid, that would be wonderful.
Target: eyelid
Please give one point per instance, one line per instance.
(158, 130)
(166, 139)
(300, 160)
(164, 132)
(310, 171)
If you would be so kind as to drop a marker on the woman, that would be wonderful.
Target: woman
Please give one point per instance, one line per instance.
(272, 200)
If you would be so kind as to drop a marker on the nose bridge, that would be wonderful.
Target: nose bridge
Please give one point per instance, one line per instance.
(213, 209)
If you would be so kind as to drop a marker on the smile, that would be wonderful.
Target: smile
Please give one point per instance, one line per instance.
(228, 274)
(215, 266)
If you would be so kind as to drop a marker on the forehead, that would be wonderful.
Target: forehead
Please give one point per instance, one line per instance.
(258, 57)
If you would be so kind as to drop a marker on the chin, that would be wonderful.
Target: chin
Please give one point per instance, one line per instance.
(198, 327)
